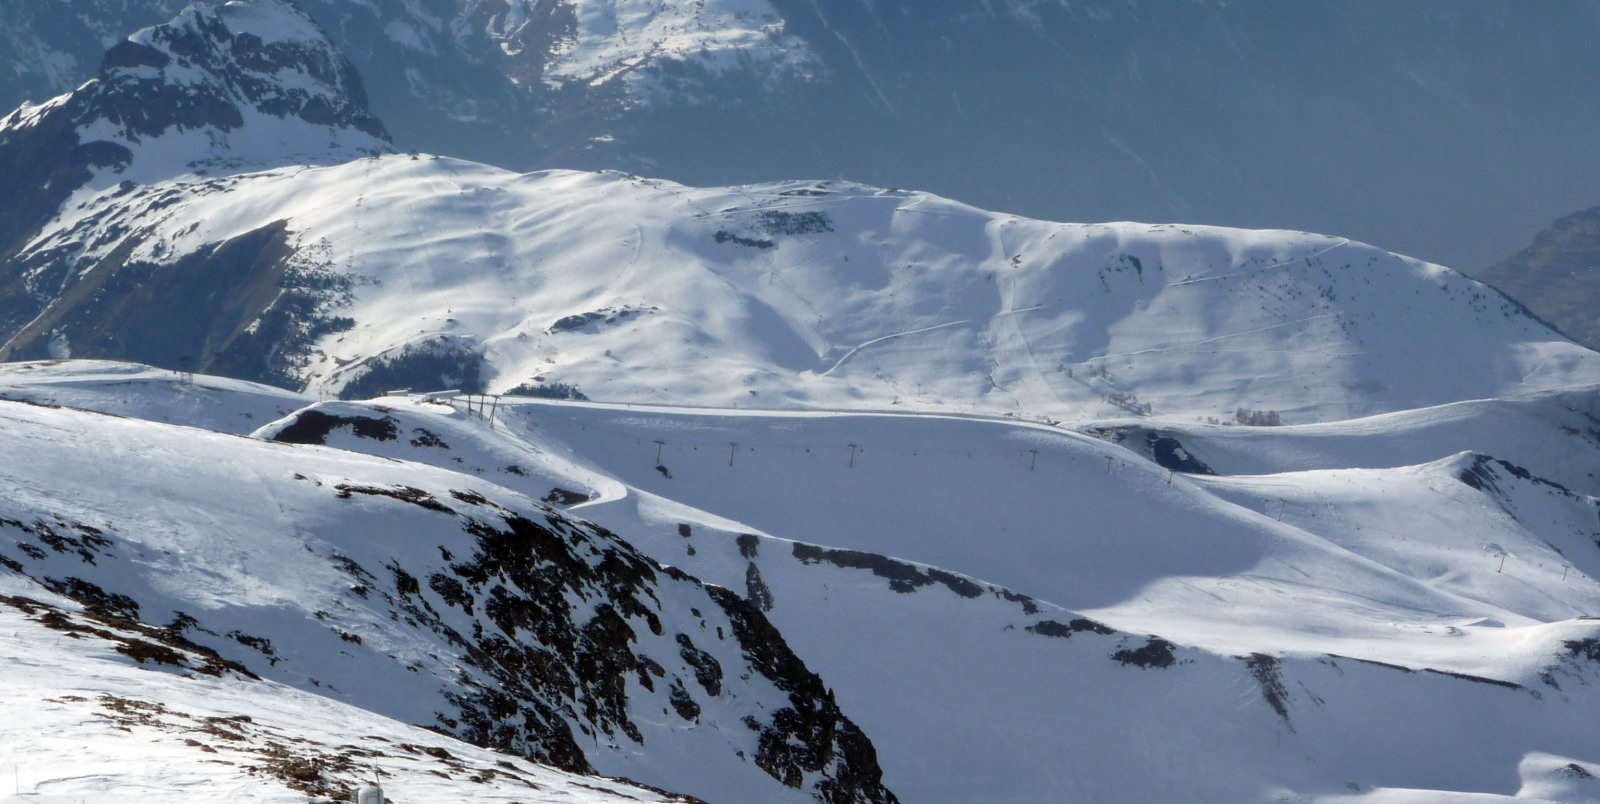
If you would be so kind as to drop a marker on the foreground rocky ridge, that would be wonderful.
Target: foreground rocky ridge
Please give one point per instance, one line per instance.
(418, 596)
(88, 690)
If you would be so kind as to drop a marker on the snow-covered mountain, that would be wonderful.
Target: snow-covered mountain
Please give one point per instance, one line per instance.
(215, 88)
(1447, 129)
(414, 271)
(797, 491)
(646, 47)
(400, 272)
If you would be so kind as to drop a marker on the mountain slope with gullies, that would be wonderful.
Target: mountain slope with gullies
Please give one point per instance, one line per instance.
(794, 491)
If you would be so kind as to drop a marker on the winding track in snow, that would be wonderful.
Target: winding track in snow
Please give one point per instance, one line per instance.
(859, 347)
(1307, 258)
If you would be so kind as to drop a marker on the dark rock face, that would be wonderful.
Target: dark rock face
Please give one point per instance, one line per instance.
(1053, 628)
(811, 735)
(194, 73)
(441, 364)
(142, 86)
(250, 307)
(1161, 446)
(40, 165)
(1156, 652)
(1168, 452)
(903, 577)
(314, 427)
(1557, 277)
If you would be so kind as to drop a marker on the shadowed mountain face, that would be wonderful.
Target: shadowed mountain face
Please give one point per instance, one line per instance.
(1558, 276)
(213, 92)
(1403, 123)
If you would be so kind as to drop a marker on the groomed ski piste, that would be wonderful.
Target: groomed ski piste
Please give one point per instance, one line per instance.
(1018, 612)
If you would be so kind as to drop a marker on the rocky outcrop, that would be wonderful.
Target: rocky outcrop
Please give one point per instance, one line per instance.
(505, 623)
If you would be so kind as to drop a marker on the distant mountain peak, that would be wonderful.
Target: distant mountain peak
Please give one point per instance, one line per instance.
(220, 86)
(654, 55)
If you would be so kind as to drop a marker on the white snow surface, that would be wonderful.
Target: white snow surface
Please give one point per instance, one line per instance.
(269, 549)
(85, 722)
(142, 392)
(1374, 587)
(838, 296)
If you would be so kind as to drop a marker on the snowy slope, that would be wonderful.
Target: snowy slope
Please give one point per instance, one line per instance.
(425, 272)
(1554, 434)
(1080, 523)
(154, 185)
(86, 720)
(425, 596)
(949, 669)
(142, 392)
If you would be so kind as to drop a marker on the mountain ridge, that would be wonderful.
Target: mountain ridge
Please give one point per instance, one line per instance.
(808, 294)
(1557, 274)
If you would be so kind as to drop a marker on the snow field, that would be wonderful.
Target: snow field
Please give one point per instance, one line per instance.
(975, 704)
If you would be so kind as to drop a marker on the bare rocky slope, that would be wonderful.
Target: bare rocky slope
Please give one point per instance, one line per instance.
(1558, 276)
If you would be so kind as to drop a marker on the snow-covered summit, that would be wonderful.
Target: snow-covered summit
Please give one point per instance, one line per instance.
(434, 273)
(644, 45)
(220, 87)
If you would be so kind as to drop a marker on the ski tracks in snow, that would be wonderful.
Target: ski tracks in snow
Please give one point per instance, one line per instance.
(859, 347)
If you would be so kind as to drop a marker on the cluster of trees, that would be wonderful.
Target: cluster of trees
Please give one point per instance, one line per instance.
(1257, 418)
